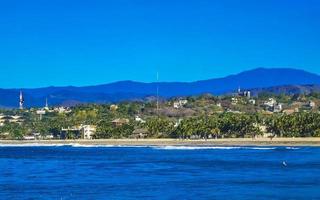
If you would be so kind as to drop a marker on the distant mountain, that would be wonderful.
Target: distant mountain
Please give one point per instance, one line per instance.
(129, 90)
(288, 89)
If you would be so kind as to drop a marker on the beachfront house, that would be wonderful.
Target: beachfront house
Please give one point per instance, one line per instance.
(70, 133)
(78, 132)
(88, 131)
(139, 133)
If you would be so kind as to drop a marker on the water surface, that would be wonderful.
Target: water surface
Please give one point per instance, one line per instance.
(88, 172)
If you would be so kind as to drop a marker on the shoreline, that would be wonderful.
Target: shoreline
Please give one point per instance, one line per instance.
(175, 142)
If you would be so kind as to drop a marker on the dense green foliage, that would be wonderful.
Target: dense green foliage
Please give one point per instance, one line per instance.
(201, 117)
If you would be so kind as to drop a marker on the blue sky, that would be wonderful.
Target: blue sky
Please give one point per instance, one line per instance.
(76, 42)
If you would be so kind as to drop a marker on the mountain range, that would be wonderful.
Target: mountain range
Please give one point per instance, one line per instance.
(277, 80)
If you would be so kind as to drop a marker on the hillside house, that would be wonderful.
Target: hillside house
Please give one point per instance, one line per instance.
(119, 122)
(139, 119)
(180, 103)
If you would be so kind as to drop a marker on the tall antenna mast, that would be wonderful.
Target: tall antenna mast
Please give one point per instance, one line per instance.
(158, 94)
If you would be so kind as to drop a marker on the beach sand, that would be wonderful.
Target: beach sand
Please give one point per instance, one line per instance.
(177, 142)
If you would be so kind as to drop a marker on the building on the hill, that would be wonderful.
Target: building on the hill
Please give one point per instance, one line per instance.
(113, 108)
(312, 104)
(119, 122)
(2, 121)
(10, 119)
(41, 112)
(62, 110)
(270, 103)
(245, 93)
(234, 100)
(277, 107)
(180, 103)
(252, 101)
(139, 119)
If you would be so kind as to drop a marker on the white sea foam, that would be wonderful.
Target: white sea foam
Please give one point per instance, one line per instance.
(90, 145)
(210, 147)
(261, 148)
(104, 146)
(33, 145)
(75, 145)
(293, 148)
(78, 145)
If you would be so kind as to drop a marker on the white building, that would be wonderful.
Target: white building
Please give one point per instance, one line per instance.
(277, 107)
(180, 103)
(270, 103)
(40, 113)
(312, 104)
(177, 123)
(252, 101)
(234, 101)
(62, 110)
(29, 137)
(138, 119)
(10, 119)
(114, 107)
(2, 120)
(88, 131)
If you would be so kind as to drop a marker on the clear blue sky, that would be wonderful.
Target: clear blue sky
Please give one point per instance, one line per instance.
(77, 42)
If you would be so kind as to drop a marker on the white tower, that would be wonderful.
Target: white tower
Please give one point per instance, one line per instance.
(21, 101)
(47, 105)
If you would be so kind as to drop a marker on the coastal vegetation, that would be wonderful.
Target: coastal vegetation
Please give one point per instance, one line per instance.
(197, 117)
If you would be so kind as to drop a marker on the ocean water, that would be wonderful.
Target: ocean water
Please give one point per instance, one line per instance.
(110, 172)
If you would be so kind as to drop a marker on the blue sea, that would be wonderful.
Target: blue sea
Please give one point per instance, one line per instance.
(119, 172)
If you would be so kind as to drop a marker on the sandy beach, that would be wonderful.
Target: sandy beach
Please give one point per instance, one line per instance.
(177, 142)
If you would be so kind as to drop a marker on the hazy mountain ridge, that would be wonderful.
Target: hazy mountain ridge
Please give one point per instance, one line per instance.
(277, 80)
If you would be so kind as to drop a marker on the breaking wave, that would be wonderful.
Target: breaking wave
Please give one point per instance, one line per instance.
(78, 145)
(210, 147)
(293, 148)
(75, 145)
